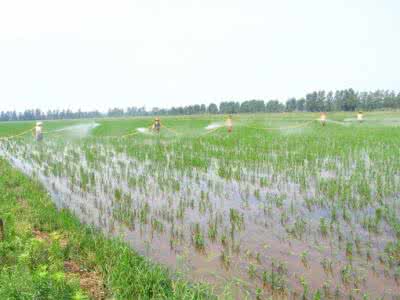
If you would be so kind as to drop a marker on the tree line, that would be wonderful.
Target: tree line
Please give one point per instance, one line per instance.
(318, 101)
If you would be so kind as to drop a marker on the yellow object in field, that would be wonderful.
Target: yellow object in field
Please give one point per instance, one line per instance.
(322, 119)
(229, 123)
(38, 131)
(157, 125)
(360, 116)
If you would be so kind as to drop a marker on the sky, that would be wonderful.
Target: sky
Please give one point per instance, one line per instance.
(95, 54)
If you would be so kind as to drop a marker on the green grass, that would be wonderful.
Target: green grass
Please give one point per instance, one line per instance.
(31, 268)
(263, 208)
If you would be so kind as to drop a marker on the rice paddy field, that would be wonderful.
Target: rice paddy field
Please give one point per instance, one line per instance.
(281, 208)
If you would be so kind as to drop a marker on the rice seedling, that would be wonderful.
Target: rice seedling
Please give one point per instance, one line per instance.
(328, 195)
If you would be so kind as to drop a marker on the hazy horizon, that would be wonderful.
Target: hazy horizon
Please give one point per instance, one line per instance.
(95, 55)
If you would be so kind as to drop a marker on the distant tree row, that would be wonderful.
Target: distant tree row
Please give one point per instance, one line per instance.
(341, 100)
(37, 114)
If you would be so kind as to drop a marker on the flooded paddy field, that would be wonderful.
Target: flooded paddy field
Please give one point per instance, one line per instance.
(274, 209)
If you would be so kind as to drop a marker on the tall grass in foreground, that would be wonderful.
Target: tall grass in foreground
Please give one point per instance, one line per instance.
(39, 241)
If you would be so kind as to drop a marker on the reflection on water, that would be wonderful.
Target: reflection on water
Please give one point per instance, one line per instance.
(260, 231)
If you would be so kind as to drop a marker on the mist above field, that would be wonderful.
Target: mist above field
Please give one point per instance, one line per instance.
(79, 130)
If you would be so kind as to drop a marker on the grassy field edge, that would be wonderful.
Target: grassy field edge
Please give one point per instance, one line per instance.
(44, 253)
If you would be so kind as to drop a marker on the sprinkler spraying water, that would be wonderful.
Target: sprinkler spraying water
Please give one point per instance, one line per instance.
(214, 126)
(143, 130)
(79, 130)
